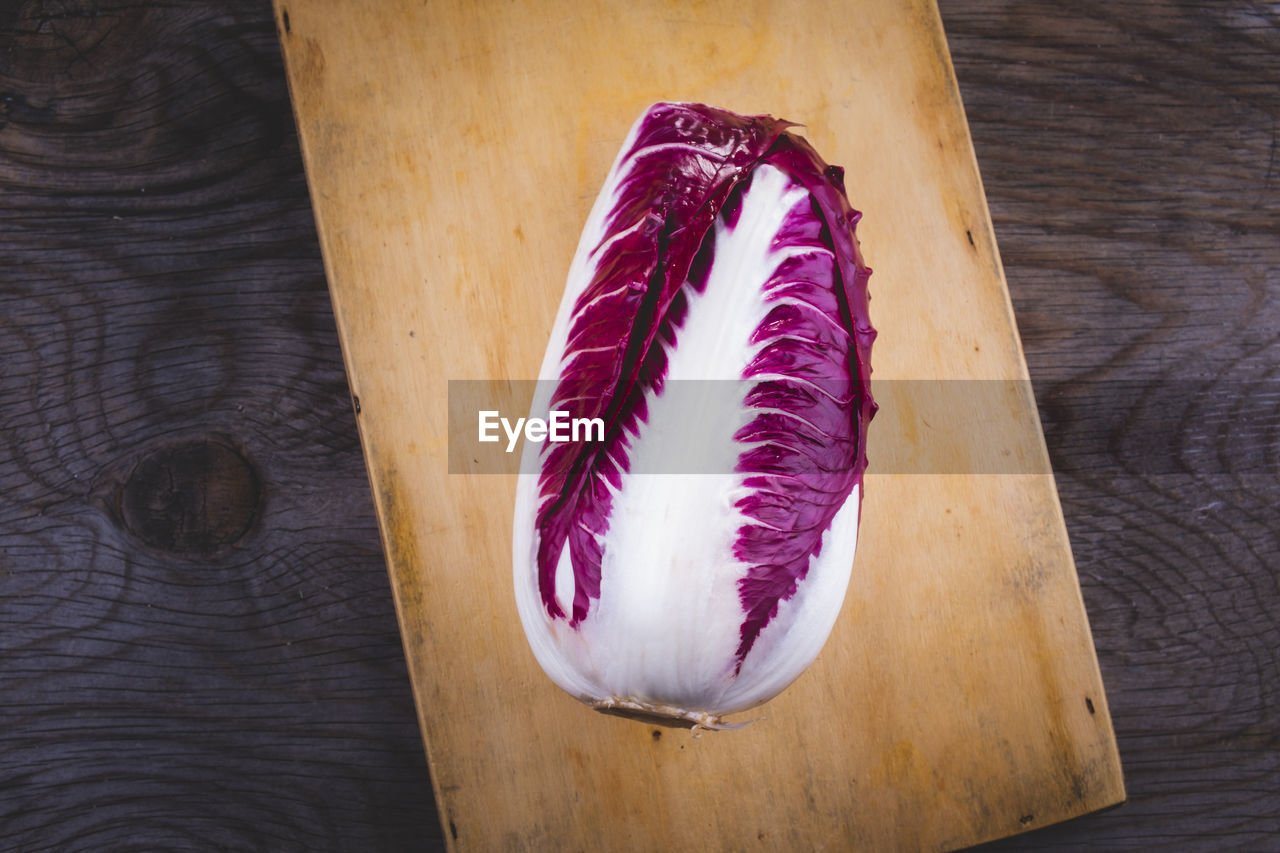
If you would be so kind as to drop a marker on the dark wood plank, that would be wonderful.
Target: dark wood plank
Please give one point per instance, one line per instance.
(1129, 152)
(197, 643)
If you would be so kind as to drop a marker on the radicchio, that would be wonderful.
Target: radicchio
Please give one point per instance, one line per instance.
(716, 309)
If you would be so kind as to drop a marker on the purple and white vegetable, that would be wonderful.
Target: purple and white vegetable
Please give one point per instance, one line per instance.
(720, 256)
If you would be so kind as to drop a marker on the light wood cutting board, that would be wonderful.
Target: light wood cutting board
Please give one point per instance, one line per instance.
(453, 150)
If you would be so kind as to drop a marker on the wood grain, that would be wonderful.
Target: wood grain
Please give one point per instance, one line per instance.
(1128, 152)
(197, 645)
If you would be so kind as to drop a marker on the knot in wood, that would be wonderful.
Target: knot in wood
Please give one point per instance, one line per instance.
(193, 498)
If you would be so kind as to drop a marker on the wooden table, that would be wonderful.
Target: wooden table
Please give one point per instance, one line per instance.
(197, 642)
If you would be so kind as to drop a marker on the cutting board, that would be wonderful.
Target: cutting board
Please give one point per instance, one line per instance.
(453, 150)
